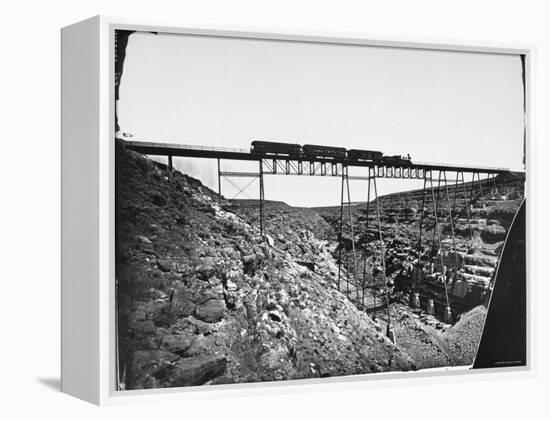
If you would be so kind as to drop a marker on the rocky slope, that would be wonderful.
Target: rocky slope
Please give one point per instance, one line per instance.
(203, 300)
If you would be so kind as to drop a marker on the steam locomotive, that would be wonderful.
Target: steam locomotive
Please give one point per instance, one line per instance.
(307, 152)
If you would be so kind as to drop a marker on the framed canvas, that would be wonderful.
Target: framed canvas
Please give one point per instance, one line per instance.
(249, 209)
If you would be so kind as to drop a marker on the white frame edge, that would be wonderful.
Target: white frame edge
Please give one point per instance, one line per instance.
(88, 128)
(80, 119)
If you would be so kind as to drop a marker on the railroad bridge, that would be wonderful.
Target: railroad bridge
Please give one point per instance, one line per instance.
(270, 164)
(338, 166)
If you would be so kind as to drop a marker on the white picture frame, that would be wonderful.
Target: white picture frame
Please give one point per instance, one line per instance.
(88, 287)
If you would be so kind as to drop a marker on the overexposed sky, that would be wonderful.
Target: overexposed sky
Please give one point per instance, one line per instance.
(458, 108)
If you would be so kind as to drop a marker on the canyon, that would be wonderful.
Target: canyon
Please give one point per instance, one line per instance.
(203, 298)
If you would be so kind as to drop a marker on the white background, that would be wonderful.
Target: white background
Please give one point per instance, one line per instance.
(29, 206)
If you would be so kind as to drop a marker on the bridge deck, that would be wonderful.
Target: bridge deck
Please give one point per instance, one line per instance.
(195, 151)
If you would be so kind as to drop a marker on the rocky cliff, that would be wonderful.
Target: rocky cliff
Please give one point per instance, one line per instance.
(201, 299)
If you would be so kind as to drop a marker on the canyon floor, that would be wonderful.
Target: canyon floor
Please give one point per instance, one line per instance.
(203, 298)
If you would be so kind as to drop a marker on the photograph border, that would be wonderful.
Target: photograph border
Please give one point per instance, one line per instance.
(106, 212)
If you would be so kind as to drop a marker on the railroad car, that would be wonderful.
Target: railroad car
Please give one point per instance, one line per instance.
(260, 147)
(364, 155)
(318, 151)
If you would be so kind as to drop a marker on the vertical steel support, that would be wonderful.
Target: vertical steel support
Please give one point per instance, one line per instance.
(340, 230)
(170, 165)
(261, 199)
(352, 240)
(456, 191)
(443, 275)
(366, 246)
(436, 202)
(345, 183)
(472, 187)
(438, 190)
(480, 185)
(383, 258)
(453, 242)
(422, 213)
(420, 248)
(467, 206)
(219, 180)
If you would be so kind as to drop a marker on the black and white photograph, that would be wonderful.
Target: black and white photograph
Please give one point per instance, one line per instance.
(289, 210)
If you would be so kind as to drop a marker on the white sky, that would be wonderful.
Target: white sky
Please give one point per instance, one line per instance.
(459, 108)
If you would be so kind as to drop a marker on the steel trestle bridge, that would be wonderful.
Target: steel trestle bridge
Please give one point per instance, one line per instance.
(286, 166)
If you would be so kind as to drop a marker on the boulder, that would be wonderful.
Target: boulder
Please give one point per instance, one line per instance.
(177, 344)
(192, 371)
(143, 239)
(202, 345)
(211, 311)
(206, 269)
(157, 198)
(231, 286)
(144, 363)
(223, 380)
(139, 315)
(199, 326)
(165, 265)
(142, 326)
(250, 264)
(182, 303)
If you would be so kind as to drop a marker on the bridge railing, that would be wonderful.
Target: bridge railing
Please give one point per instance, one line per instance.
(216, 148)
(191, 147)
(473, 167)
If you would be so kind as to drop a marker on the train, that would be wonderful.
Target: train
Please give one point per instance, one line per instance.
(310, 152)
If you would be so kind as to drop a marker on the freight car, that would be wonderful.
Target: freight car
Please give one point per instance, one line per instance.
(318, 151)
(364, 155)
(291, 150)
